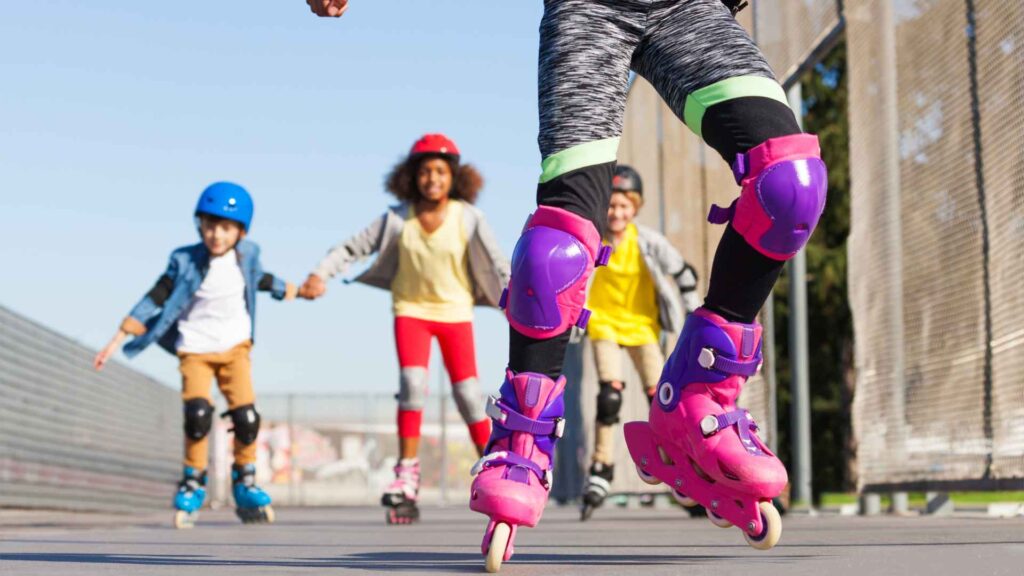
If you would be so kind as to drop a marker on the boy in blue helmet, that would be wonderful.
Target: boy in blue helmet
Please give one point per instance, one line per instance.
(203, 310)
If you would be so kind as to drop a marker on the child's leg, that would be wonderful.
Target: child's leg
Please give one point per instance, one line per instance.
(648, 361)
(608, 359)
(715, 79)
(459, 352)
(196, 377)
(412, 340)
(585, 51)
(234, 377)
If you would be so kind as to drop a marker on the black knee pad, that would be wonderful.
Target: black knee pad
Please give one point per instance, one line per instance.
(247, 423)
(609, 402)
(198, 418)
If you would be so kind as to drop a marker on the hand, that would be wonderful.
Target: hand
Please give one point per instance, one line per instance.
(331, 8)
(313, 288)
(290, 291)
(103, 355)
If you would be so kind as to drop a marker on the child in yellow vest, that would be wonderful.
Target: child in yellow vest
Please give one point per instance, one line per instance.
(647, 288)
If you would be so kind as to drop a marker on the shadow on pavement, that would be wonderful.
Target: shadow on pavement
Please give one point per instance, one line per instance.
(386, 561)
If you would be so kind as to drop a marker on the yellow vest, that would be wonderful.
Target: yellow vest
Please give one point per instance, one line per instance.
(622, 298)
(432, 282)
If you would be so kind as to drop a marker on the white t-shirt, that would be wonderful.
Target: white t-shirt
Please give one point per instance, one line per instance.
(217, 320)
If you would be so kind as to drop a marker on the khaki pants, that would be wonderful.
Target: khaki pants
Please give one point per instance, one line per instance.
(648, 361)
(233, 371)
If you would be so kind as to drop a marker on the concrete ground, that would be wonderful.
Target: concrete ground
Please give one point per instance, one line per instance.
(315, 541)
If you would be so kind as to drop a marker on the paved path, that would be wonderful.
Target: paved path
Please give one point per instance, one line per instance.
(335, 541)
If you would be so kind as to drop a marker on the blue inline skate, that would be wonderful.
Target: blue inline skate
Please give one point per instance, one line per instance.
(189, 498)
(252, 504)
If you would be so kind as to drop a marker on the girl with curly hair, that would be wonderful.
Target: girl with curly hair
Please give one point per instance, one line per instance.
(437, 256)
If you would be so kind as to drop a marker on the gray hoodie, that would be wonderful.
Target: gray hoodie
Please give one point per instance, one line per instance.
(488, 268)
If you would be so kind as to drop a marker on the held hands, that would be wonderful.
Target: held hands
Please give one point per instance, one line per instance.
(330, 8)
(313, 288)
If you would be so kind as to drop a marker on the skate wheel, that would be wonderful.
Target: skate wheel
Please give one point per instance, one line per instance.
(585, 512)
(184, 520)
(683, 499)
(718, 520)
(771, 530)
(647, 478)
(268, 515)
(498, 545)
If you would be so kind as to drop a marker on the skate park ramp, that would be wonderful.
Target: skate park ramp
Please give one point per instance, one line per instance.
(335, 541)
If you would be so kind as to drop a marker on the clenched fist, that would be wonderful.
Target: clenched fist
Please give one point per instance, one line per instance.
(313, 288)
(332, 8)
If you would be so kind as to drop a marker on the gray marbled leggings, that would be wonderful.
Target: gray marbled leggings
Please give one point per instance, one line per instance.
(587, 48)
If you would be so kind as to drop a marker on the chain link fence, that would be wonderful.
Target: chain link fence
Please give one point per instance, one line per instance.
(937, 241)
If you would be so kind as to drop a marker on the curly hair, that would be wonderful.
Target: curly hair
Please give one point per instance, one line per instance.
(401, 181)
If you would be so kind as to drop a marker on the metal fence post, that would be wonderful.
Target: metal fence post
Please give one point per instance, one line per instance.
(444, 433)
(800, 383)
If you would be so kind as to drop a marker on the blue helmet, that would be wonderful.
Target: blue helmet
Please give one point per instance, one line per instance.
(226, 200)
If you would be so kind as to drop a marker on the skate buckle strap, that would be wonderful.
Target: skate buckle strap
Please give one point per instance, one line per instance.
(744, 422)
(513, 420)
(708, 360)
(512, 459)
(719, 215)
(603, 255)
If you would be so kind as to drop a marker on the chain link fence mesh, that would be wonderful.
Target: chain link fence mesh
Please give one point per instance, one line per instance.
(936, 240)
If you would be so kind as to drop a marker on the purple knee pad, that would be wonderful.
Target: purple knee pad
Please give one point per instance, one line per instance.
(784, 186)
(550, 266)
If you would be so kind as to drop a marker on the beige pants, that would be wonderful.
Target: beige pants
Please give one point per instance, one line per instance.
(648, 361)
(233, 371)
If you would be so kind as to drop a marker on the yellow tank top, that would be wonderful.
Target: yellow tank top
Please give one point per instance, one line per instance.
(622, 298)
(432, 282)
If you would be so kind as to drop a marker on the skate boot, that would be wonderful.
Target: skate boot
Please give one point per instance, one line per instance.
(514, 477)
(189, 498)
(400, 496)
(252, 504)
(700, 443)
(598, 486)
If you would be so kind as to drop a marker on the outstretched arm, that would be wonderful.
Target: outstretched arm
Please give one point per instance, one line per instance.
(340, 257)
(330, 8)
(103, 355)
(134, 324)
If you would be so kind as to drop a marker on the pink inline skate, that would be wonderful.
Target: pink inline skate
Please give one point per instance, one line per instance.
(400, 496)
(550, 266)
(697, 440)
(700, 443)
(513, 479)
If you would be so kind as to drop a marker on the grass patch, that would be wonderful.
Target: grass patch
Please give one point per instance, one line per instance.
(917, 499)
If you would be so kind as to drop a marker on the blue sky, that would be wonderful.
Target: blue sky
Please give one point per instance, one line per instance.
(114, 115)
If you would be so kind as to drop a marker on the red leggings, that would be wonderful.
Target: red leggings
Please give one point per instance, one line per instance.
(412, 340)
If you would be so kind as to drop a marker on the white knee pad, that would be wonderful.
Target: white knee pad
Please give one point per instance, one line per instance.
(412, 391)
(470, 400)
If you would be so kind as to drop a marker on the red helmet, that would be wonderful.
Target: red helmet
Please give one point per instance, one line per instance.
(435, 144)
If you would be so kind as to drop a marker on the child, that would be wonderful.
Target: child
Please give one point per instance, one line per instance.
(203, 309)
(633, 299)
(715, 79)
(438, 258)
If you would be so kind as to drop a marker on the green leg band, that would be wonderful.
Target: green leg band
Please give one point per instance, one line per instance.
(579, 156)
(698, 102)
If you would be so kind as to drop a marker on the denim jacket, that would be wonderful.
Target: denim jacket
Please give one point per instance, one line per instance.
(155, 317)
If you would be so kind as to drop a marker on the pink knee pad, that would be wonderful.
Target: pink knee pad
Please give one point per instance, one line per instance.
(551, 264)
(784, 185)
